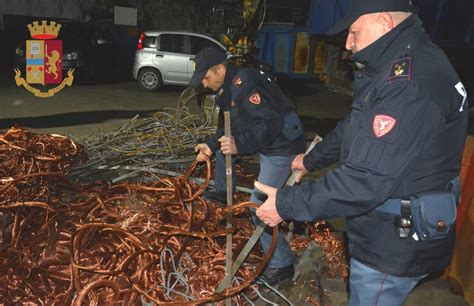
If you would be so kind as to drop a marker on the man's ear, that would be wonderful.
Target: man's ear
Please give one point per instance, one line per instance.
(222, 68)
(386, 20)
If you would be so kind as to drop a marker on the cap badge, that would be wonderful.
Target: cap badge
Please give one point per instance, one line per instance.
(383, 124)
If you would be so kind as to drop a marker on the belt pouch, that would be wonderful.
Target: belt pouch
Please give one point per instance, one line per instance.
(433, 214)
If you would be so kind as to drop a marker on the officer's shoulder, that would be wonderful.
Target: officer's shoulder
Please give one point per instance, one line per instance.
(243, 77)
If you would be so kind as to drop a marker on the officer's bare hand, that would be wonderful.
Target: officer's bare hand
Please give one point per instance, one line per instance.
(267, 212)
(228, 145)
(298, 166)
(203, 151)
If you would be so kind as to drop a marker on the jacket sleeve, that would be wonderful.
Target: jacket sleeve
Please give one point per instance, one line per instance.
(263, 124)
(213, 142)
(376, 164)
(327, 151)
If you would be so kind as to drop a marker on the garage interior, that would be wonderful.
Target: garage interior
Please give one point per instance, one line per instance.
(130, 137)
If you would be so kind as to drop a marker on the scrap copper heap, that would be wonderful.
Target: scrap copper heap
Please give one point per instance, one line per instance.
(62, 243)
(332, 246)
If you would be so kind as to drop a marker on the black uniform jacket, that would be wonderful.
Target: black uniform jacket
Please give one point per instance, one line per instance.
(258, 108)
(404, 135)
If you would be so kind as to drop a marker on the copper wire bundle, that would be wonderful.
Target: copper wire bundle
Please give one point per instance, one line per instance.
(121, 244)
(333, 248)
(125, 244)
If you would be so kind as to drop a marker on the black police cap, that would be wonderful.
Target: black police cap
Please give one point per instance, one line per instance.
(358, 8)
(205, 59)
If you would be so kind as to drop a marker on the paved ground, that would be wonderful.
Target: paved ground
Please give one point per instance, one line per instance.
(83, 110)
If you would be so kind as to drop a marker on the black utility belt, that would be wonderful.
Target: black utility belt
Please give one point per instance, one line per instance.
(425, 216)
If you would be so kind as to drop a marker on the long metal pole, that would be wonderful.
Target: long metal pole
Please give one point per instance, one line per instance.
(228, 176)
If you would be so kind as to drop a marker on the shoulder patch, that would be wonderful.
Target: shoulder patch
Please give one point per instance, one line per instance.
(255, 99)
(401, 68)
(383, 124)
(237, 81)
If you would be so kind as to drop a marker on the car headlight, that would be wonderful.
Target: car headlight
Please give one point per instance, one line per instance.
(71, 56)
(19, 51)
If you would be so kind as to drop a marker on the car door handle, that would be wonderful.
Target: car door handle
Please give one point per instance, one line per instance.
(159, 55)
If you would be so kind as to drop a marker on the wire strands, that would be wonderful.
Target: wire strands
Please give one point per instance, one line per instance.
(163, 138)
(63, 244)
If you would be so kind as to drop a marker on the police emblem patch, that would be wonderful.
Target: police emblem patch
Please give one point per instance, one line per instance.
(383, 124)
(255, 99)
(237, 81)
(401, 68)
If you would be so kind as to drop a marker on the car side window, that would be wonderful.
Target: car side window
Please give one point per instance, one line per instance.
(198, 43)
(149, 42)
(172, 43)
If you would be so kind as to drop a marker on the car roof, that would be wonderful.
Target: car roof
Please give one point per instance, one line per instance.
(208, 36)
(155, 33)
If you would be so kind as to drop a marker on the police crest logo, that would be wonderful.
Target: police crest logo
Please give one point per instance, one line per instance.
(255, 99)
(383, 124)
(44, 60)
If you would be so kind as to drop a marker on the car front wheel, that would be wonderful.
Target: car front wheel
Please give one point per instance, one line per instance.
(150, 79)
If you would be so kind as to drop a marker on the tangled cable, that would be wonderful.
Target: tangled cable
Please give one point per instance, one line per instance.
(161, 139)
(64, 244)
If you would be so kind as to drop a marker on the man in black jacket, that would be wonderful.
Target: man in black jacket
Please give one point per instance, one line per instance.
(403, 138)
(263, 121)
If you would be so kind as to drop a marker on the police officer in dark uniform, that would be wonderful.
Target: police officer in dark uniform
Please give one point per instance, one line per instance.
(264, 121)
(399, 149)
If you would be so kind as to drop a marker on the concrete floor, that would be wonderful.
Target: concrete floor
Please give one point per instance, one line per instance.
(86, 110)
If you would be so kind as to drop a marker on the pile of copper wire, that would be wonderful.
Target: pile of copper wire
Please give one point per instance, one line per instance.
(62, 243)
(32, 166)
(333, 248)
(123, 244)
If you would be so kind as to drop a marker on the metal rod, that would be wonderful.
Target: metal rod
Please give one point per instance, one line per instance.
(228, 176)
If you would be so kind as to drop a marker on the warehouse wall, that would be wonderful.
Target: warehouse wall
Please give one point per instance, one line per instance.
(70, 9)
(175, 14)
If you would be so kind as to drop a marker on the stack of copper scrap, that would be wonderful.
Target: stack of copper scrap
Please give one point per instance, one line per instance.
(63, 244)
(332, 246)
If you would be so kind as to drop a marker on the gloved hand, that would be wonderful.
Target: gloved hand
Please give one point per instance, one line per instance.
(204, 152)
(297, 165)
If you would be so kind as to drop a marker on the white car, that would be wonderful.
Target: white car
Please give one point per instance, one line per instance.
(167, 57)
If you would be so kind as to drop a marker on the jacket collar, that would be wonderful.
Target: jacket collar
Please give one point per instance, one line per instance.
(384, 50)
(229, 77)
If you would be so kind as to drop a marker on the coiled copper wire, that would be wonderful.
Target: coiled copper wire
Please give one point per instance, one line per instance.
(65, 244)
